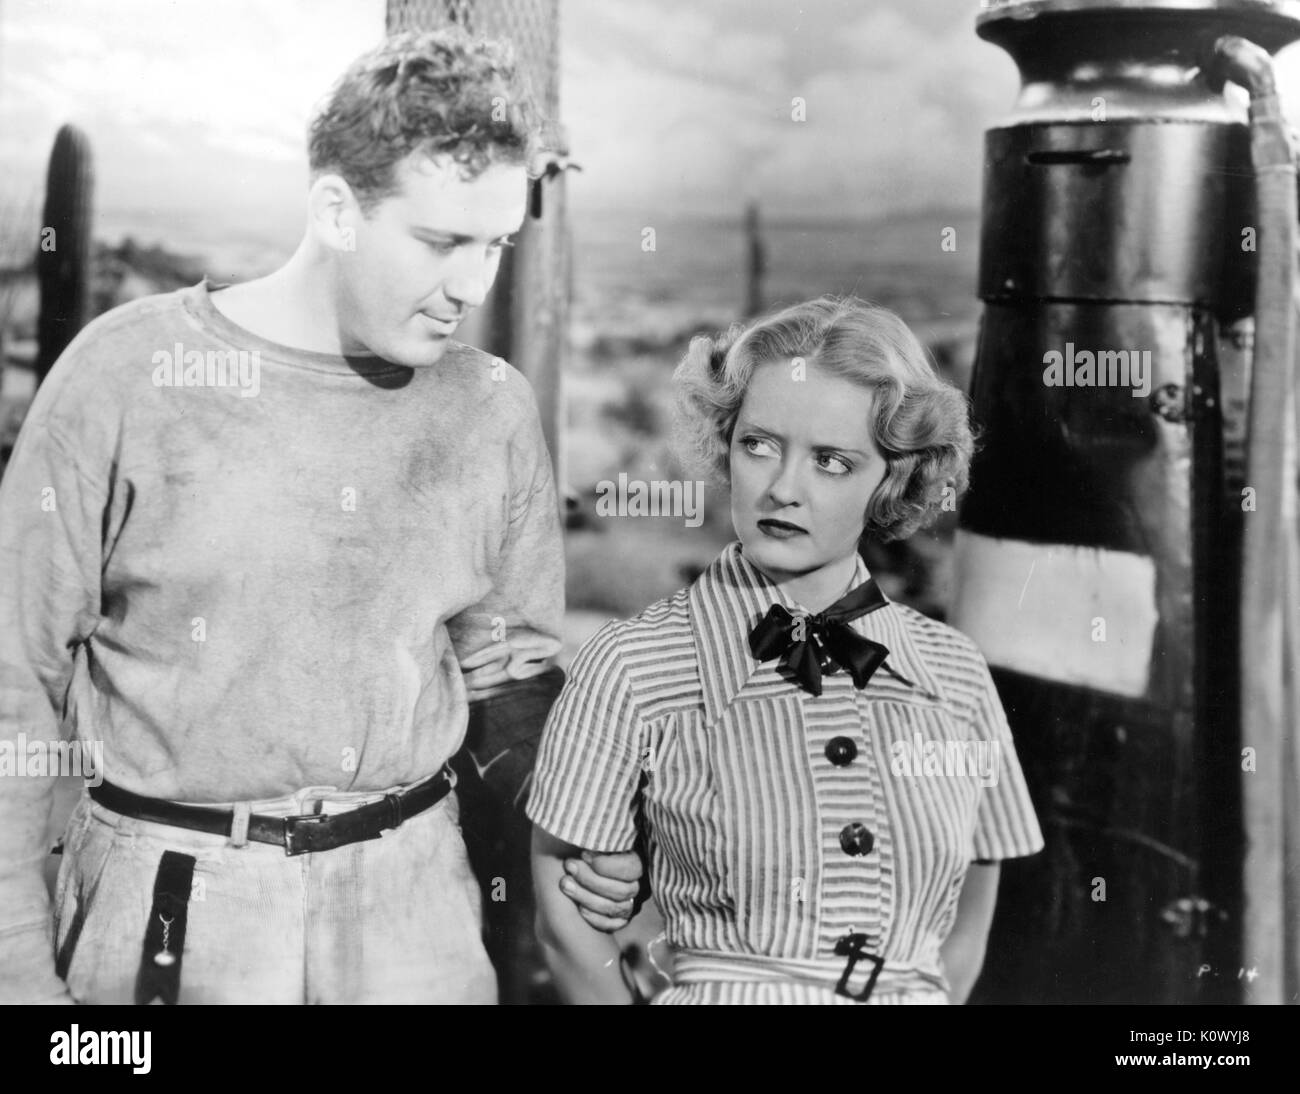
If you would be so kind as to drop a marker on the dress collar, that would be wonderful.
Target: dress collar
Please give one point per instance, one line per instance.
(732, 595)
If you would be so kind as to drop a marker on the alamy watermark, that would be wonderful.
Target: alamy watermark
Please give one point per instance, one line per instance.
(1105, 368)
(21, 758)
(919, 758)
(129, 1048)
(635, 498)
(181, 367)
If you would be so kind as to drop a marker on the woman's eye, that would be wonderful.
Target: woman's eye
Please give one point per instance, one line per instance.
(836, 465)
(758, 446)
(442, 248)
(500, 244)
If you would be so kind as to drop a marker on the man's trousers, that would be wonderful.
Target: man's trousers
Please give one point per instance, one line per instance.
(391, 920)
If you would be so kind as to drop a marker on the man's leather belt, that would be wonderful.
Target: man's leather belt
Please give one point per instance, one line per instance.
(298, 834)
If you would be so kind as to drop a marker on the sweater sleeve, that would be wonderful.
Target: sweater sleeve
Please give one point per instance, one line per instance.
(51, 516)
(514, 631)
(505, 644)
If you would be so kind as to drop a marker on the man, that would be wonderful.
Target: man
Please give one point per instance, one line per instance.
(264, 546)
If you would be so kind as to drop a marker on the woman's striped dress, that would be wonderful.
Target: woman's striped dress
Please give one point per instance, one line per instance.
(780, 823)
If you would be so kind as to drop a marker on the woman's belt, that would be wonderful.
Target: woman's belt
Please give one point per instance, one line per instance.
(697, 966)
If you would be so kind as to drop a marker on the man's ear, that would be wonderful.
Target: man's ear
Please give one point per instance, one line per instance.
(334, 213)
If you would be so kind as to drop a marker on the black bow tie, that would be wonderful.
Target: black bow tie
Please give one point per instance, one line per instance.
(809, 645)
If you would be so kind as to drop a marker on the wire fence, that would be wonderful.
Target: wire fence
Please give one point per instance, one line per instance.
(531, 26)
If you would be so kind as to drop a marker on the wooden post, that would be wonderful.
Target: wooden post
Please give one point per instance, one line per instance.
(525, 318)
(756, 265)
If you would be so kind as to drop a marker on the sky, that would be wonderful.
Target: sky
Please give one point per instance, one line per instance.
(196, 109)
(895, 100)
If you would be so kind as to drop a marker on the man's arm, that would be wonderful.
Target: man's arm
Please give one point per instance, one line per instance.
(513, 633)
(505, 645)
(504, 729)
(963, 950)
(51, 515)
(604, 887)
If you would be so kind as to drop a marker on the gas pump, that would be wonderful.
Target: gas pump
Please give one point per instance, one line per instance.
(1133, 368)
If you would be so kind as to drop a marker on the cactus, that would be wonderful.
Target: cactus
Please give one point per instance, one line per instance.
(63, 252)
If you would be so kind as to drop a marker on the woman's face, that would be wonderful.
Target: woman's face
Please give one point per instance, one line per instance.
(803, 467)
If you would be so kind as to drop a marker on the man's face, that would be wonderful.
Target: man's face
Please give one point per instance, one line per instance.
(425, 256)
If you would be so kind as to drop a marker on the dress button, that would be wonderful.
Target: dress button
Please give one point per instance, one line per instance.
(856, 839)
(841, 751)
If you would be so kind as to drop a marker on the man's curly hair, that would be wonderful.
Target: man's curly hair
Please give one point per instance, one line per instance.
(434, 92)
(920, 424)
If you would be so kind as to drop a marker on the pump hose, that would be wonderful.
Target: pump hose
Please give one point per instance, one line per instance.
(1270, 587)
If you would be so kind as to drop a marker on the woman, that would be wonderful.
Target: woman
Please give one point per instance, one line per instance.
(799, 751)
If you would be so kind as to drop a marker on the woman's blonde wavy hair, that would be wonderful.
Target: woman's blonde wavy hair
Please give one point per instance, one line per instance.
(920, 423)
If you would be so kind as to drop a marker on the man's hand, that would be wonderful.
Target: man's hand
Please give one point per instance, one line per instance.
(604, 887)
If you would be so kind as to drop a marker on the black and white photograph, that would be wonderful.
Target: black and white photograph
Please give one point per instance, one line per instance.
(736, 502)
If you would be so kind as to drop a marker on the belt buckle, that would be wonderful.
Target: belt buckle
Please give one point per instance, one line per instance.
(850, 946)
(291, 827)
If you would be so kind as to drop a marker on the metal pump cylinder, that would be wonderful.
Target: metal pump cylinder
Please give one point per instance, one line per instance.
(1099, 545)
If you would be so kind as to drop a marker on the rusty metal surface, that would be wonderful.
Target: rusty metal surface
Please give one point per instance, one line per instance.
(1064, 464)
(1115, 202)
(1136, 893)
(1126, 790)
(1085, 921)
(1131, 211)
(1105, 60)
(992, 11)
(1118, 29)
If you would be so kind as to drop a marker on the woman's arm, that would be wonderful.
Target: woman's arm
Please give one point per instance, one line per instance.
(963, 951)
(583, 960)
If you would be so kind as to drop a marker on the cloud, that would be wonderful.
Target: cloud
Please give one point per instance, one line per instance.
(671, 105)
(674, 108)
(182, 102)
(902, 130)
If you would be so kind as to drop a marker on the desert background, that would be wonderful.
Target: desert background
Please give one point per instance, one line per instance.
(679, 114)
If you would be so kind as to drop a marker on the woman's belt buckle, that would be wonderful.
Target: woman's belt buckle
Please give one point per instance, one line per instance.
(850, 946)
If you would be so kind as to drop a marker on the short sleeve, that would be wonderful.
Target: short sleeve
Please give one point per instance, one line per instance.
(1006, 825)
(588, 775)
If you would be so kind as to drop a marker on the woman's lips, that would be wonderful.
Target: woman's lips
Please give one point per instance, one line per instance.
(780, 529)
